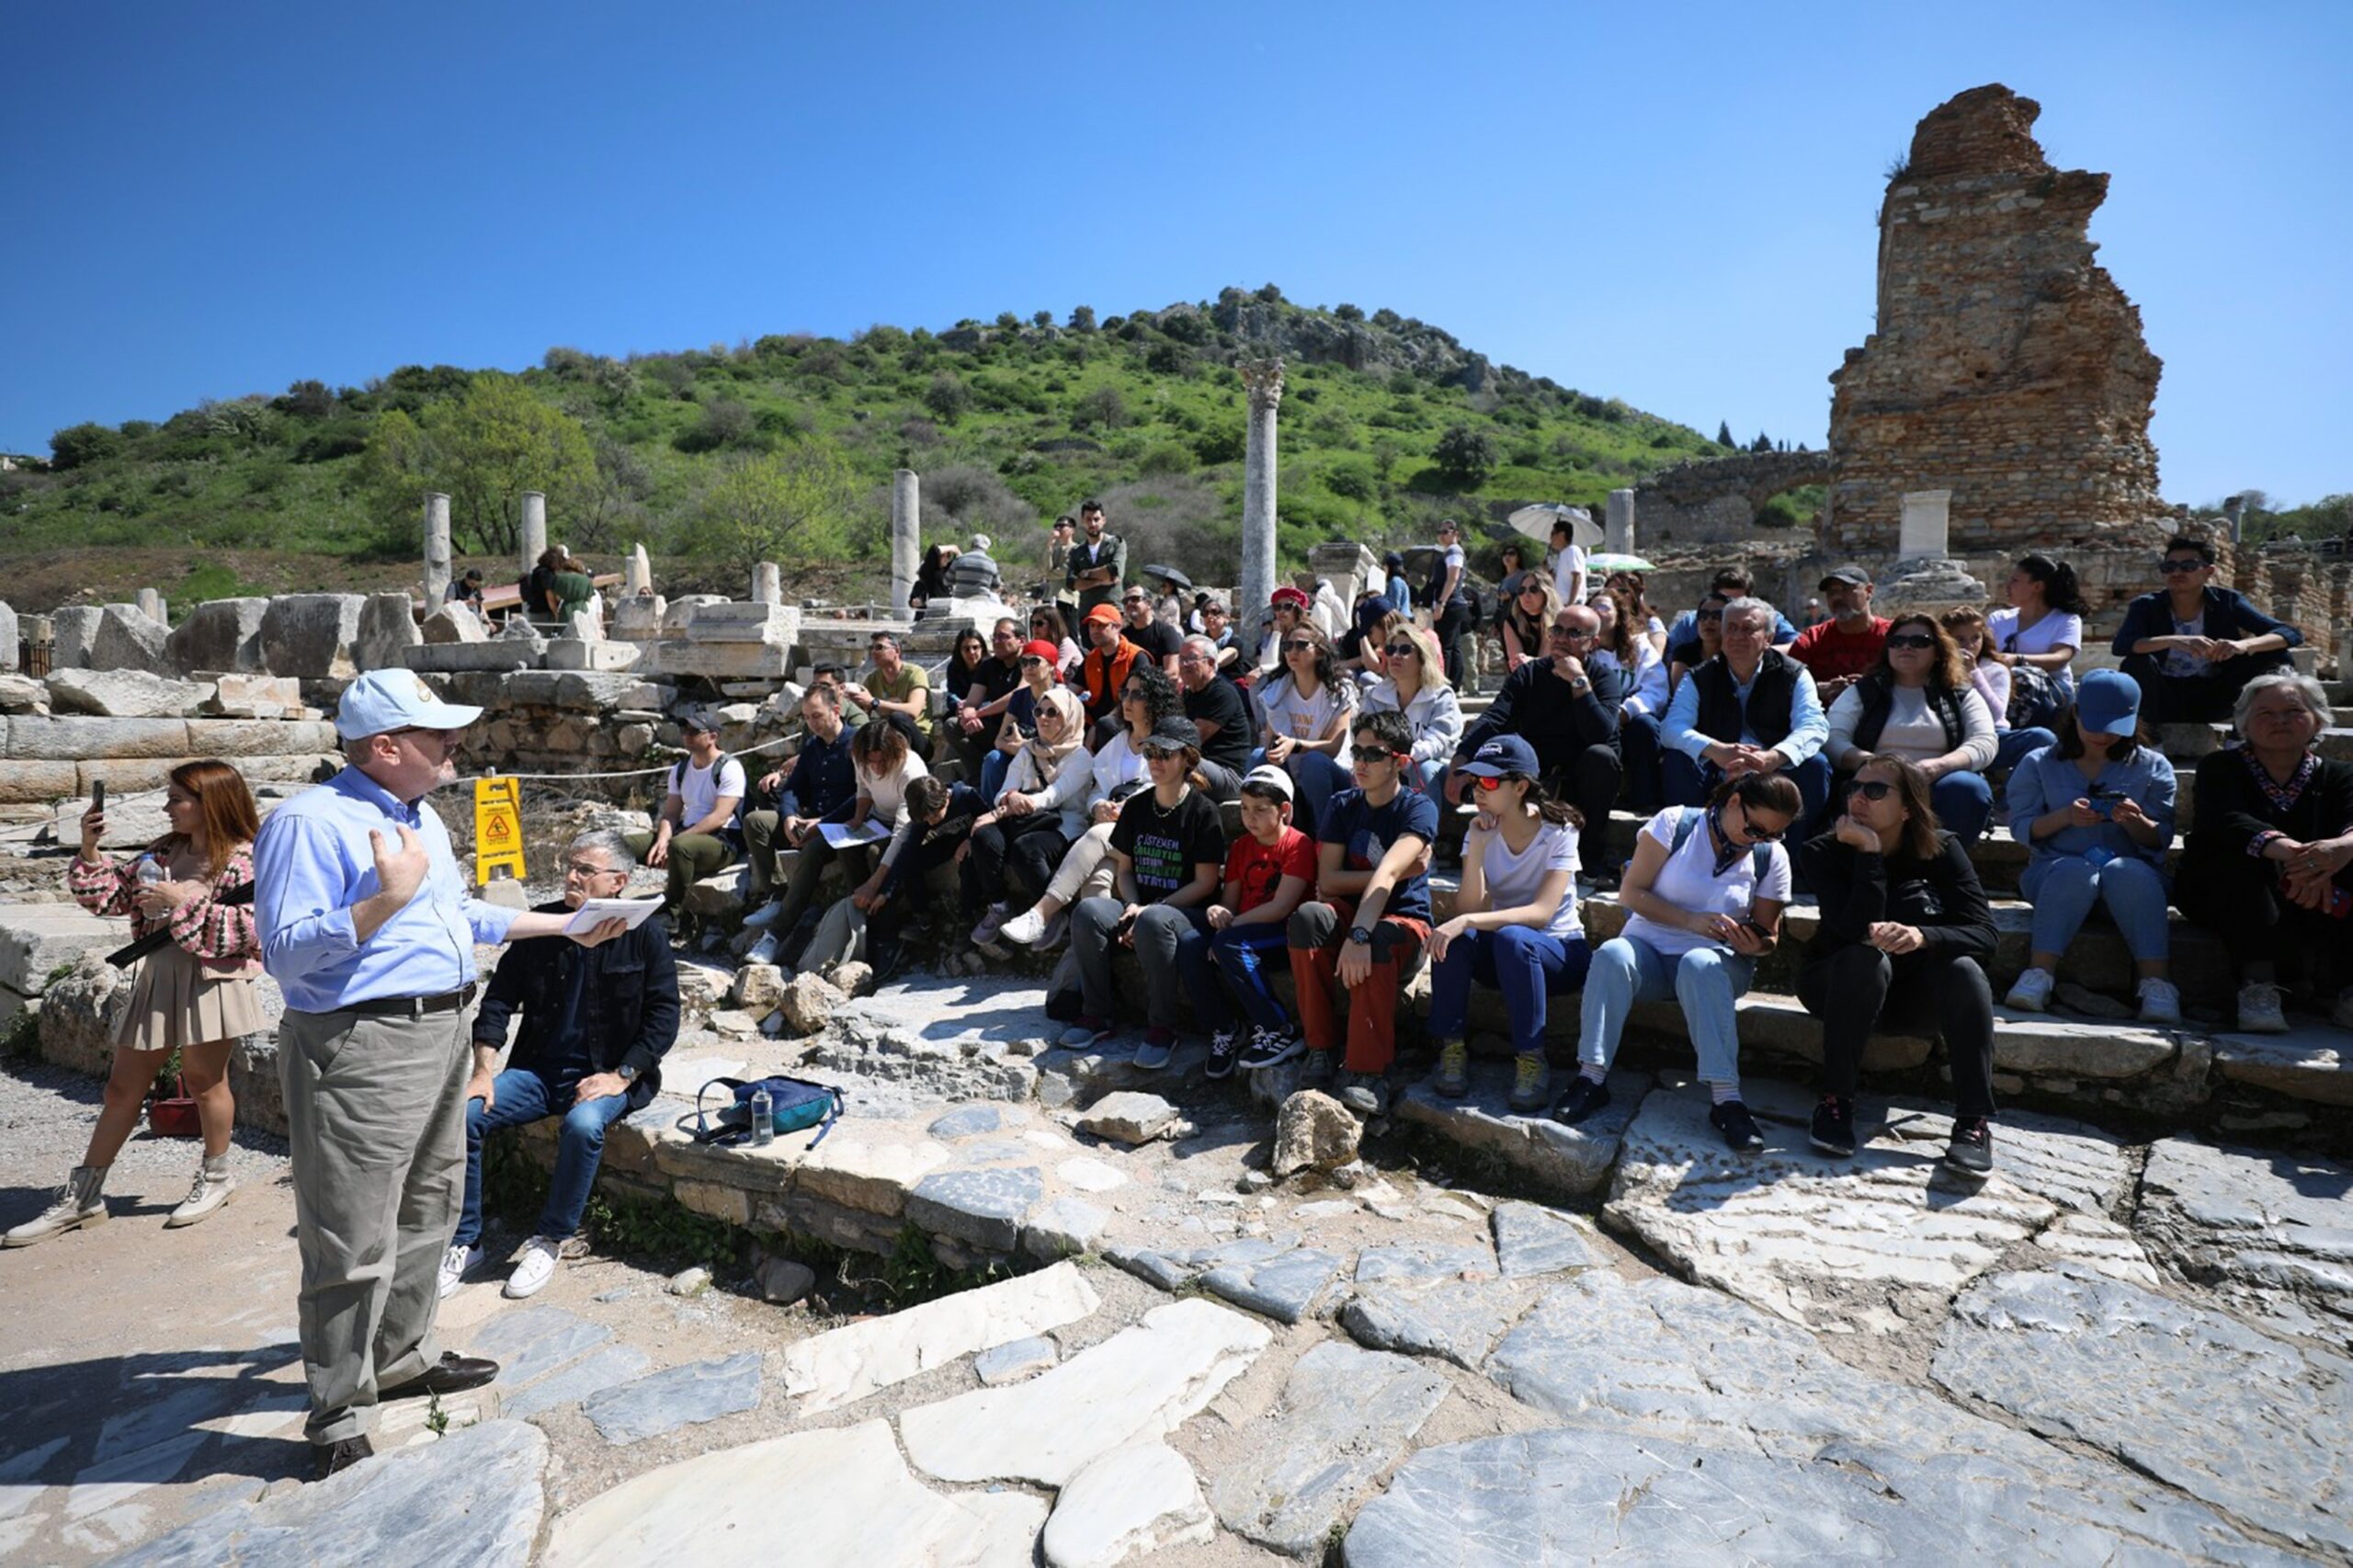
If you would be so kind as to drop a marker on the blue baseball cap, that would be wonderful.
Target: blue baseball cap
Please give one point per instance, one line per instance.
(384, 700)
(2107, 702)
(1505, 754)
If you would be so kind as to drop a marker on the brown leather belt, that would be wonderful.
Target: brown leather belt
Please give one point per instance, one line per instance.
(412, 1006)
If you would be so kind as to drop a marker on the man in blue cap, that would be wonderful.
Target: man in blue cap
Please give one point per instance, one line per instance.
(368, 928)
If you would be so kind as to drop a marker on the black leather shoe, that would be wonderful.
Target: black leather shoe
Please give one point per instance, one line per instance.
(328, 1458)
(1739, 1128)
(1584, 1097)
(452, 1374)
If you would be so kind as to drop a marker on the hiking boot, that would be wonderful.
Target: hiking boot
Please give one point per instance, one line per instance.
(1159, 1044)
(1452, 1078)
(1023, 929)
(1584, 1097)
(1971, 1153)
(1087, 1030)
(454, 1264)
(79, 1203)
(535, 1267)
(1531, 1084)
(2031, 993)
(212, 1187)
(1833, 1126)
(1367, 1094)
(328, 1458)
(2160, 1002)
(1271, 1048)
(2259, 1011)
(1739, 1128)
(1321, 1070)
(984, 934)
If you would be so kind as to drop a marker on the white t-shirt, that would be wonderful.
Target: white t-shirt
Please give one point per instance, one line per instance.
(699, 792)
(1302, 717)
(1514, 880)
(1689, 881)
(1566, 567)
(1993, 683)
(2057, 628)
(889, 794)
(1118, 762)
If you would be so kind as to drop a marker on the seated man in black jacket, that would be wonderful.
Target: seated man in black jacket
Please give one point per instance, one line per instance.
(790, 802)
(1569, 714)
(2192, 647)
(595, 1023)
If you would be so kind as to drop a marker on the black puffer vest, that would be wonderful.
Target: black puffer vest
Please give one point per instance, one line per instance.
(1769, 701)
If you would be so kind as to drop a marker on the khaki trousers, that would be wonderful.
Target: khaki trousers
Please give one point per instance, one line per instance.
(375, 1113)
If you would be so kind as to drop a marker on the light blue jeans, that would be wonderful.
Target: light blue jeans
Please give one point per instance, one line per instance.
(1706, 982)
(2063, 889)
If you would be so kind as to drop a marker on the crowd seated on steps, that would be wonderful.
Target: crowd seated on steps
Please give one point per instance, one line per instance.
(1854, 763)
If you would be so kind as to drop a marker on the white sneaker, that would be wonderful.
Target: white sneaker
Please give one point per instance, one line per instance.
(208, 1193)
(764, 950)
(1023, 929)
(2259, 1011)
(454, 1264)
(2160, 1002)
(2033, 992)
(534, 1268)
(764, 916)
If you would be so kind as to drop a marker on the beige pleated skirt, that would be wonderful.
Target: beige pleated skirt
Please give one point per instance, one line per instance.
(175, 1003)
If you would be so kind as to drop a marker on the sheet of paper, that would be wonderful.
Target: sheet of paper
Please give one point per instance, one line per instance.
(597, 910)
(843, 836)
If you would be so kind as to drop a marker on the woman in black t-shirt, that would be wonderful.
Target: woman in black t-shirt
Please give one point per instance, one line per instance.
(1167, 852)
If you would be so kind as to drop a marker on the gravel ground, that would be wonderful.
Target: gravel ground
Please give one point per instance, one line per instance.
(46, 1114)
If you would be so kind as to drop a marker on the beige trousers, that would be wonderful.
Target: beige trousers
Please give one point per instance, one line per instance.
(376, 1115)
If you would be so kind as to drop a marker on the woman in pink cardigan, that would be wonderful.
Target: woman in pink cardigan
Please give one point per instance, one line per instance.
(194, 995)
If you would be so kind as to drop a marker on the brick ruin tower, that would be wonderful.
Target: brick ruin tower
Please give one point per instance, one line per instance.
(2008, 367)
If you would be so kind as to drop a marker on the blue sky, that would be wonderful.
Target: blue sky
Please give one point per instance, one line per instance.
(1673, 204)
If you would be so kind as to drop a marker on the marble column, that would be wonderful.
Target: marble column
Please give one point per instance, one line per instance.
(535, 529)
(768, 583)
(1262, 380)
(1617, 531)
(437, 550)
(637, 572)
(151, 605)
(906, 536)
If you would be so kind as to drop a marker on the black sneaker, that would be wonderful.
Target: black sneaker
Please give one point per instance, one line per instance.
(1584, 1097)
(1321, 1070)
(1271, 1048)
(1833, 1126)
(1739, 1128)
(1224, 1046)
(1970, 1153)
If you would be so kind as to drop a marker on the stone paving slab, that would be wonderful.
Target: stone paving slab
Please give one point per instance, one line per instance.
(2270, 1234)
(1286, 1287)
(844, 1365)
(1551, 1159)
(1423, 1262)
(1459, 1322)
(1139, 1384)
(1532, 1239)
(2310, 1062)
(2252, 1425)
(614, 1365)
(841, 1495)
(984, 1207)
(1347, 1415)
(474, 1497)
(677, 1396)
(1129, 1504)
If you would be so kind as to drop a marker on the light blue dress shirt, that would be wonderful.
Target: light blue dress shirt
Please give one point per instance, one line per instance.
(311, 863)
(1809, 726)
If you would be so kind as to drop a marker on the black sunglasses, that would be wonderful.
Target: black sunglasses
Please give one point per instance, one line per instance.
(1294, 645)
(1874, 789)
(1377, 754)
(1711, 614)
(1912, 639)
(2181, 566)
(1403, 651)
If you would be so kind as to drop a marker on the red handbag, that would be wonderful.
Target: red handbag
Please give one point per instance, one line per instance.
(174, 1115)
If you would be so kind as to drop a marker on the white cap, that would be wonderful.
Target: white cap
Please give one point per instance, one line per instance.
(384, 700)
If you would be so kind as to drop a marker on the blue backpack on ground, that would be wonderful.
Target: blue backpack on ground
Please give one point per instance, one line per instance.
(794, 1106)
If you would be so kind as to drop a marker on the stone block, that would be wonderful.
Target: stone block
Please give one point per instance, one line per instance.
(499, 654)
(79, 1010)
(720, 895)
(38, 783)
(846, 1364)
(260, 737)
(453, 623)
(1131, 1117)
(22, 694)
(221, 636)
(387, 626)
(679, 618)
(9, 634)
(982, 1207)
(122, 694)
(732, 1204)
(871, 1172)
(733, 621)
(638, 618)
(720, 661)
(77, 739)
(311, 635)
(253, 696)
(108, 637)
(570, 653)
(1315, 1130)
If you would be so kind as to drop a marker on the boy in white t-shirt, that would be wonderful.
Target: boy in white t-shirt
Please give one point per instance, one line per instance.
(1706, 890)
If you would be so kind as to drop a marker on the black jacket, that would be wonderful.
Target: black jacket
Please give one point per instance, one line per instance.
(1772, 699)
(1536, 705)
(629, 1001)
(2233, 807)
(1942, 897)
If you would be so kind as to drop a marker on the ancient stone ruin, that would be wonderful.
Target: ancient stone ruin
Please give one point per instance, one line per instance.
(2007, 367)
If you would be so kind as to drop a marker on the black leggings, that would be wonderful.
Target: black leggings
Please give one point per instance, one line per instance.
(1013, 853)
(1858, 989)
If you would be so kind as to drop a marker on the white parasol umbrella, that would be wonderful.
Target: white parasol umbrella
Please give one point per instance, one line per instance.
(1608, 561)
(1537, 521)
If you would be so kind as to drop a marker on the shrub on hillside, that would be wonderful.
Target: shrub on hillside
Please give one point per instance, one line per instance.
(1105, 408)
(1352, 481)
(947, 398)
(1464, 457)
(79, 445)
(724, 423)
(1221, 444)
(976, 498)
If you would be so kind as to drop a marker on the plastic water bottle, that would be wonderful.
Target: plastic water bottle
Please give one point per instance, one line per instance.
(763, 1116)
(151, 871)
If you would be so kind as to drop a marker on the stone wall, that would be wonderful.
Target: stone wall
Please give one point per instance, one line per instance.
(1716, 500)
(2006, 366)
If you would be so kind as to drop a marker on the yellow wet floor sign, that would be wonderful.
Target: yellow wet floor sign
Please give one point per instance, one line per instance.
(498, 828)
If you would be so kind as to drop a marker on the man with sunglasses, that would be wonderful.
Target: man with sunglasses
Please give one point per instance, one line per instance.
(1845, 647)
(1143, 628)
(370, 929)
(2192, 647)
(1752, 709)
(1569, 713)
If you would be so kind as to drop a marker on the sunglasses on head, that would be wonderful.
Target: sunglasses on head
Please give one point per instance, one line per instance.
(1874, 789)
(2180, 566)
(1911, 640)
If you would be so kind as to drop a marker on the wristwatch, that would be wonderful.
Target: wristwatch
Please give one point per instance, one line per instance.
(625, 1073)
(1358, 933)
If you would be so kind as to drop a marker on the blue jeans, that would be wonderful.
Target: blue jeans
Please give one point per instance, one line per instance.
(1638, 743)
(522, 1096)
(994, 767)
(1706, 980)
(1527, 965)
(1689, 783)
(1240, 954)
(2063, 889)
(1962, 801)
(2012, 747)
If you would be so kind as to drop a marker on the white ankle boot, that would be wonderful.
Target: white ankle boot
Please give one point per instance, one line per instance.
(213, 1186)
(79, 1203)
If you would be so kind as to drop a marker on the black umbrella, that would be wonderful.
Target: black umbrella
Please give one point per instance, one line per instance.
(1175, 578)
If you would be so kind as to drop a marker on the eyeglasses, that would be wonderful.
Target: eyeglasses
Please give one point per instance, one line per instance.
(584, 870)
(1029, 659)
(1912, 639)
(2181, 566)
(1403, 651)
(1297, 644)
(1874, 789)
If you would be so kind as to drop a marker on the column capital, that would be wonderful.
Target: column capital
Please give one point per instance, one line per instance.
(1262, 380)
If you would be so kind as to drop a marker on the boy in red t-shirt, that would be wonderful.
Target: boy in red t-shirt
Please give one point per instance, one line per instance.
(1267, 873)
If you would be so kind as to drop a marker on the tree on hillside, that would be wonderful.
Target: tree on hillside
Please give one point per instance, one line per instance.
(77, 445)
(793, 505)
(1724, 433)
(484, 452)
(947, 398)
(1082, 318)
(1104, 407)
(1763, 443)
(1465, 457)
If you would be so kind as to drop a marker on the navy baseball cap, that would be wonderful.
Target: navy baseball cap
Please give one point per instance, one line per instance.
(2107, 702)
(1505, 754)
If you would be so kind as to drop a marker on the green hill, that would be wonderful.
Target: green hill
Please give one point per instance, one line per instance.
(782, 447)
